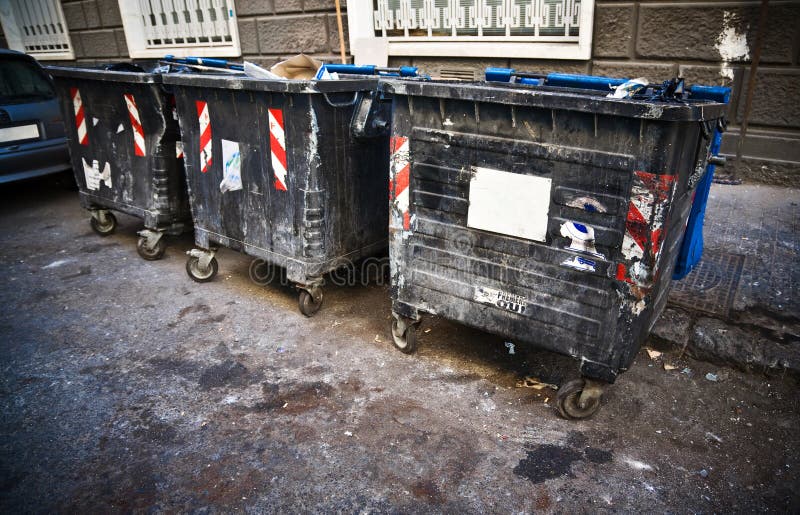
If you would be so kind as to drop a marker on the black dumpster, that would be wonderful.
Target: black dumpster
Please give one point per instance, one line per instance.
(292, 172)
(549, 216)
(125, 146)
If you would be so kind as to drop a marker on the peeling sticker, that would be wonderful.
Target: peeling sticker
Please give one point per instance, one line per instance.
(501, 299)
(179, 149)
(580, 263)
(232, 172)
(590, 204)
(94, 176)
(120, 128)
(650, 195)
(581, 238)
(95, 121)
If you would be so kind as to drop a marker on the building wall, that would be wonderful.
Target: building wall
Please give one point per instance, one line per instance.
(709, 42)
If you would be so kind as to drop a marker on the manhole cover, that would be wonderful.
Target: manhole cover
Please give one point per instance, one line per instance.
(711, 285)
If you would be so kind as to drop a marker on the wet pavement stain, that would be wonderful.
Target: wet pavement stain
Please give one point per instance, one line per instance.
(547, 462)
(194, 308)
(598, 455)
(227, 373)
(152, 428)
(293, 398)
(427, 491)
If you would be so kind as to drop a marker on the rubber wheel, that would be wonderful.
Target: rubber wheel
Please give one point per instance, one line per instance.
(567, 401)
(199, 275)
(306, 303)
(104, 229)
(151, 254)
(405, 342)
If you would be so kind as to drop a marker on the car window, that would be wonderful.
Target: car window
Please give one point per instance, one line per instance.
(22, 81)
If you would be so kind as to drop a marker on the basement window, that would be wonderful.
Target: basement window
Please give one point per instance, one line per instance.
(36, 27)
(204, 28)
(553, 29)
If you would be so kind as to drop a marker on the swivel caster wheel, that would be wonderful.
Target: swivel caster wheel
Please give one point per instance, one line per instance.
(150, 253)
(198, 273)
(404, 335)
(579, 399)
(103, 223)
(309, 302)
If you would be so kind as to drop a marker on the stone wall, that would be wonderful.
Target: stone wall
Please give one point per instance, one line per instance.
(707, 42)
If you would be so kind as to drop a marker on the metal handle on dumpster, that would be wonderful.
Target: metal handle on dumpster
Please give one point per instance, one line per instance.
(370, 118)
(356, 95)
(717, 160)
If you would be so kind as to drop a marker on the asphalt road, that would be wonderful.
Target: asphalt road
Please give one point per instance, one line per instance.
(127, 387)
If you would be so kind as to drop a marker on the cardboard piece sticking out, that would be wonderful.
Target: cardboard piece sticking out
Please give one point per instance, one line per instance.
(300, 67)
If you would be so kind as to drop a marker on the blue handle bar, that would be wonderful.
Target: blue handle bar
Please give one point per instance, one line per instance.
(204, 61)
(369, 69)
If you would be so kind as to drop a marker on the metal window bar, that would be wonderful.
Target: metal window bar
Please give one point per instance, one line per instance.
(523, 20)
(171, 23)
(42, 28)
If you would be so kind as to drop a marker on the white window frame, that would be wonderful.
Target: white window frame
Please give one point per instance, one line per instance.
(369, 49)
(136, 34)
(38, 13)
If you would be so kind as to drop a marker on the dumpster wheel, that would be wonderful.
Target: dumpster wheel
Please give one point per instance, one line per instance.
(579, 399)
(404, 335)
(308, 302)
(199, 275)
(151, 253)
(107, 226)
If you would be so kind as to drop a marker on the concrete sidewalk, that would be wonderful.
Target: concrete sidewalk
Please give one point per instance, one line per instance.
(740, 305)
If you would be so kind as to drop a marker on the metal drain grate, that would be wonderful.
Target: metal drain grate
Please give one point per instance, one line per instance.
(711, 286)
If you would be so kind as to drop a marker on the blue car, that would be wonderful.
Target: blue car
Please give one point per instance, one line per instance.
(32, 140)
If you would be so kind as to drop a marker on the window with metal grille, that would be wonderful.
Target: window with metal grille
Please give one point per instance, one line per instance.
(554, 29)
(205, 28)
(36, 27)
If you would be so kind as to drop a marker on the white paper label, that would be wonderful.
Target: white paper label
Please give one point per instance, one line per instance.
(509, 203)
(94, 176)
(232, 169)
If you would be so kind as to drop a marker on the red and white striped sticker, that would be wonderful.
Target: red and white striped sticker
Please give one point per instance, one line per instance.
(80, 116)
(400, 173)
(277, 147)
(136, 125)
(204, 118)
(647, 210)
